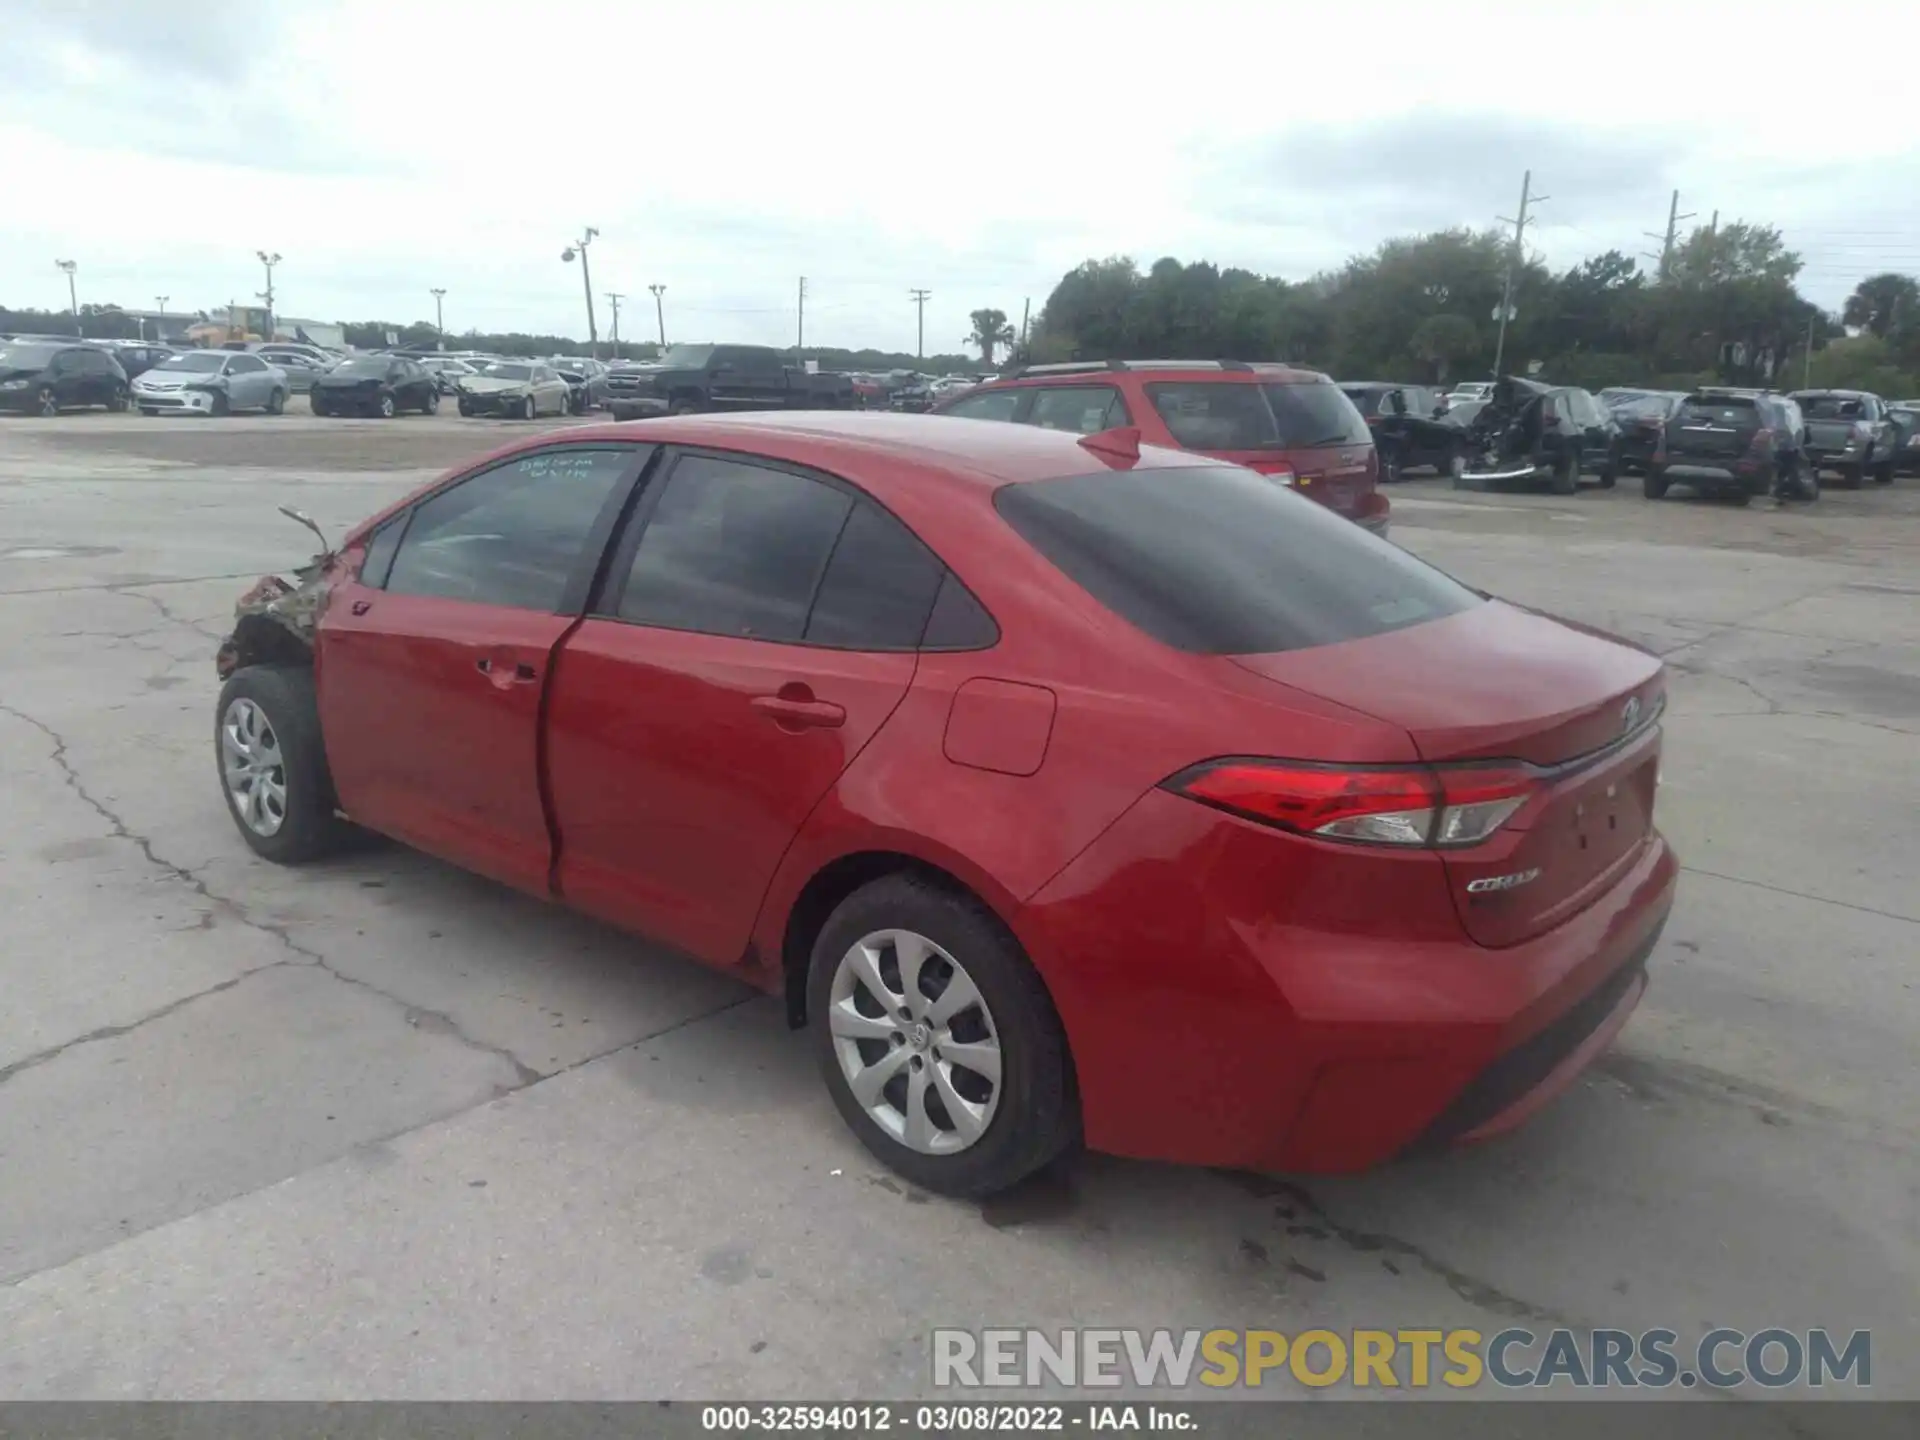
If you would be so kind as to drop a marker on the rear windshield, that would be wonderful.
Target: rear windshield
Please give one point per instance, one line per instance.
(1217, 560)
(1644, 407)
(1203, 416)
(1830, 407)
(1722, 409)
(363, 365)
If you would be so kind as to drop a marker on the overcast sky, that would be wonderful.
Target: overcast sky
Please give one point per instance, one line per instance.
(974, 148)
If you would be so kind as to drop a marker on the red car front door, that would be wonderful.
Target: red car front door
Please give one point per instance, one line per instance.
(431, 674)
(760, 629)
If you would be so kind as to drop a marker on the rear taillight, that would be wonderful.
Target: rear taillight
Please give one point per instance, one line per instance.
(1411, 805)
(1762, 441)
(1278, 470)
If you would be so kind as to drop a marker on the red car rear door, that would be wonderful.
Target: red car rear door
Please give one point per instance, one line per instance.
(759, 625)
(433, 663)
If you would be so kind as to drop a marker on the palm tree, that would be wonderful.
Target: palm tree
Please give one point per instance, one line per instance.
(1882, 301)
(990, 332)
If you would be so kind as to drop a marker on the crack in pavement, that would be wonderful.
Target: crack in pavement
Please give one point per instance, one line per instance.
(1307, 1217)
(1801, 894)
(417, 1016)
(166, 613)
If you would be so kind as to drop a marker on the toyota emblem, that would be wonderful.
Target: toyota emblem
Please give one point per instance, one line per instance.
(1630, 714)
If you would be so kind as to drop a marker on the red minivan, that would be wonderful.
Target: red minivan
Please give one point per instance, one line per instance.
(1278, 419)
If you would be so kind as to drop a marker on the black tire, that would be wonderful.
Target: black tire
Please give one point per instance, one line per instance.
(1883, 473)
(1390, 465)
(1610, 473)
(277, 403)
(431, 405)
(316, 406)
(684, 406)
(466, 409)
(46, 404)
(384, 406)
(1654, 485)
(309, 828)
(527, 407)
(1566, 474)
(117, 401)
(221, 404)
(1036, 1114)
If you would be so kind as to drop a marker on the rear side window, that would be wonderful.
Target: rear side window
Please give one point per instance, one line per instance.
(1312, 414)
(1220, 561)
(733, 549)
(1217, 417)
(879, 587)
(1083, 409)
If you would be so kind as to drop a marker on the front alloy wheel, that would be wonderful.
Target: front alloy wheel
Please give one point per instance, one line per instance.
(386, 407)
(46, 403)
(254, 769)
(915, 1041)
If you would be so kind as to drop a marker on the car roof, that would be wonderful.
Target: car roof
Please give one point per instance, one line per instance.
(1837, 394)
(1217, 372)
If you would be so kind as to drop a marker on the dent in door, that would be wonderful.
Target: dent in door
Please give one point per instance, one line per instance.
(1000, 725)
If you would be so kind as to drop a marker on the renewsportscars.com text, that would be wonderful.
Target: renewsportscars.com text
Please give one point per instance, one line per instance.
(1415, 1359)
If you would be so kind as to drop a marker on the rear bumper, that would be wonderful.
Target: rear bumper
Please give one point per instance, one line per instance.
(1505, 474)
(1254, 1009)
(1738, 475)
(635, 407)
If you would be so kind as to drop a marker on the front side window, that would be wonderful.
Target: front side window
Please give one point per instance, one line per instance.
(512, 535)
(733, 548)
(1082, 409)
(988, 405)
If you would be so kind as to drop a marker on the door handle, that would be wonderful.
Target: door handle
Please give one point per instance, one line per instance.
(794, 713)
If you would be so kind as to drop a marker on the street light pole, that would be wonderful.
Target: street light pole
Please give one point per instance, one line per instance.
(614, 297)
(439, 316)
(579, 247)
(161, 300)
(660, 312)
(73, 294)
(267, 295)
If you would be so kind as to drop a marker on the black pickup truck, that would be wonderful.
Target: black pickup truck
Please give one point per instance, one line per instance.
(689, 379)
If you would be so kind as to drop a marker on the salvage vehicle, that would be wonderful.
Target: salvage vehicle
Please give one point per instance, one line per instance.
(448, 371)
(1469, 391)
(212, 382)
(1408, 424)
(516, 389)
(1641, 417)
(378, 385)
(1528, 433)
(1733, 444)
(46, 377)
(135, 357)
(586, 382)
(874, 713)
(693, 379)
(1848, 433)
(1292, 425)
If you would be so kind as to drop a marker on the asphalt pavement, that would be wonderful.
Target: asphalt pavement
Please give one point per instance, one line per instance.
(381, 1129)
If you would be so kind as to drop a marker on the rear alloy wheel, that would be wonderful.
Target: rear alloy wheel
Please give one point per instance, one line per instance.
(46, 404)
(386, 407)
(1390, 467)
(938, 1041)
(1654, 486)
(527, 410)
(277, 402)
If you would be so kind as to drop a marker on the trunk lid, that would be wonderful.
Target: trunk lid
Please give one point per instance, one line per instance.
(1713, 428)
(1502, 683)
(1825, 435)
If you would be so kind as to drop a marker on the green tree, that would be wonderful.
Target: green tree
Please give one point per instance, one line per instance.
(1443, 341)
(990, 332)
(1881, 303)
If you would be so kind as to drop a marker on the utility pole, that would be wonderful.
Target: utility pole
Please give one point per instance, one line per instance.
(1026, 309)
(614, 297)
(1806, 363)
(73, 294)
(1674, 217)
(439, 316)
(660, 312)
(920, 300)
(161, 301)
(800, 332)
(1519, 223)
(267, 295)
(579, 248)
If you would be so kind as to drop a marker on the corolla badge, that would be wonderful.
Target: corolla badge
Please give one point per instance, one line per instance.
(1630, 714)
(1502, 882)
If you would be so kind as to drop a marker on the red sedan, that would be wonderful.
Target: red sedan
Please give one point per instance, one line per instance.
(1071, 791)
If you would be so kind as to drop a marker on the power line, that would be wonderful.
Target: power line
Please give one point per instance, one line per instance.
(920, 298)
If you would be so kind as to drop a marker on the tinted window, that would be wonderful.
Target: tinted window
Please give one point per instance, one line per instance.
(1221, 561)
(753, 362)
(363, 365)
(1830, 407)
(989, 405)
(1366, 401)
(380, 552)
(958, 622)
(733, 549)
(26, 357)
(1083, 409)
(1216, 417)
(1313, 414)
(879, 586)
(1720, 409)
(511, 535)
(245, 365)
